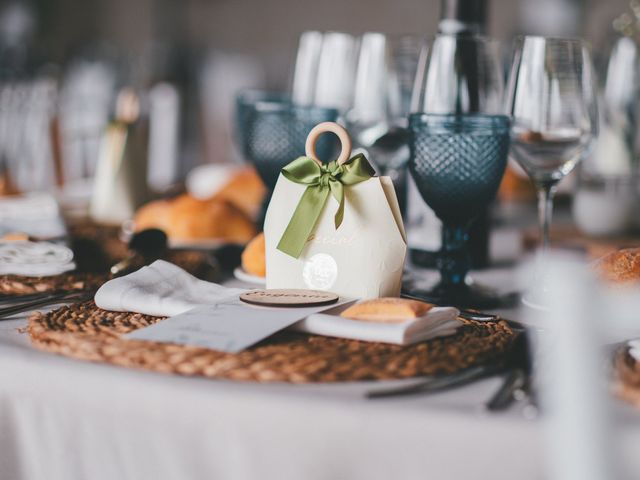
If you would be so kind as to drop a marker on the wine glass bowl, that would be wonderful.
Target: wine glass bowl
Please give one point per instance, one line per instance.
(551, 98)
(548, 157)
(459, 75)
(457, 163)
(552, 101)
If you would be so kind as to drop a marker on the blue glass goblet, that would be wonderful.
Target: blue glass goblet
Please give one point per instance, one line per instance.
(457, 162)
(273, 132)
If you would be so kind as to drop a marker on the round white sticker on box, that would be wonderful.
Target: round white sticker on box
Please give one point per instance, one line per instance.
(320, 272)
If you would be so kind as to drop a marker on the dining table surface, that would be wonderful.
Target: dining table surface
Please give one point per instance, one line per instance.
(67, 419)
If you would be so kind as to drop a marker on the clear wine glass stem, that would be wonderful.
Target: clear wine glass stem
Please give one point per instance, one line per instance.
(546, 193)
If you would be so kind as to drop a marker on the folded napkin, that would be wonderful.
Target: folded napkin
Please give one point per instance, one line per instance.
(163, 289)
(36, 214)
(438, 322)
(34, 259)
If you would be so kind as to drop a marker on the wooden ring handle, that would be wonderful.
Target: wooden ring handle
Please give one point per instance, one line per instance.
(324, 127)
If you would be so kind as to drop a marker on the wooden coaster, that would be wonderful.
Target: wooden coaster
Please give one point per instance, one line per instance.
(289, 297)
(85, 332)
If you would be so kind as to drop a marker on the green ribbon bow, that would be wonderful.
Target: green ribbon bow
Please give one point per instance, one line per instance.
(320, 181)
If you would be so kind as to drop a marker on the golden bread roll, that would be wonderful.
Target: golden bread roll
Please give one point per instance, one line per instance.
(245, 191)
(621, 266)
(7, 187)
(153, 215)
(253, 257)
(387, 310)
(193, 219)
(15, 237)
(515, 188)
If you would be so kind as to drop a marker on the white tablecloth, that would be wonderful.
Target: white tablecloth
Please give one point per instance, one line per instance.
(65, 419)
(62, 419)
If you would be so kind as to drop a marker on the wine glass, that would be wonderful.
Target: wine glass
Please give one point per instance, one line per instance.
(459, 145)
(551, 97)
(377, 119)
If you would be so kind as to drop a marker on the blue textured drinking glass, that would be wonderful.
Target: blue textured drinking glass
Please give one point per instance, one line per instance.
(272, 132)
(245, 105)
(457, 162)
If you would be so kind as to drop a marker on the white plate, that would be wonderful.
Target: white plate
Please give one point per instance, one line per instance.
(243, 276)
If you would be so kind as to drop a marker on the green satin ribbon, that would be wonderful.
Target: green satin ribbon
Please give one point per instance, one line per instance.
(321, 180)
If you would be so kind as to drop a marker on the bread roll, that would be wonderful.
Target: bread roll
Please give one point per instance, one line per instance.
(622, 266)
(387, 310)
(245, 191)
(192, 219)
(153, 215)
(14, 237)
(186, 218)
(253, 257)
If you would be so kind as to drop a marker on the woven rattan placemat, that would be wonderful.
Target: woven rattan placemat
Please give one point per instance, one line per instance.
(19, 285)
(86, 332)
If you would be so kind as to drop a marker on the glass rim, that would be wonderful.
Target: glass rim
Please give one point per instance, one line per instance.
(552, 39)
(419, 117)
(283, 106)
(476, 37)
(252, 96)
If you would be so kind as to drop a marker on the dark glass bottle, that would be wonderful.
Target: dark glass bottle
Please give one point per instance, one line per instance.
(468, 18)
(465, 18)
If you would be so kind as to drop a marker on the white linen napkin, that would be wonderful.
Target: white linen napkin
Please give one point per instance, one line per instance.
(36, 214)
(438, 322)
(163, 289)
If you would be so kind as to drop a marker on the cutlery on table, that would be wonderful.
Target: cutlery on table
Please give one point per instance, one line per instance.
(51, 299)
(517, 384)
(437, 384)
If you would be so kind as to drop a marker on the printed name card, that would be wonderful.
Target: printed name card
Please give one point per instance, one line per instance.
(230, 325)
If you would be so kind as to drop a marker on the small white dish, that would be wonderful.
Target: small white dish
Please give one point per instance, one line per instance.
(200, 244)
(243, 276)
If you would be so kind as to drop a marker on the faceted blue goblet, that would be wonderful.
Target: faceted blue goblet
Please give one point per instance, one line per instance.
(273, 132)
(457, 162)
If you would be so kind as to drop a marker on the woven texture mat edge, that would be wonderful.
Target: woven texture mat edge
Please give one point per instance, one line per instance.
(83, 331)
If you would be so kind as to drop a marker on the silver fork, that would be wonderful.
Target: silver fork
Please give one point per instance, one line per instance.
(43, 301)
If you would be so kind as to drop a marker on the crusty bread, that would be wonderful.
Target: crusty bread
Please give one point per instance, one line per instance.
(186, 218)
(7, 187)
(153, 215)
(244, 191)
(253, 257)
(227, 215)
(14, 237)
(193, 219)
(387, 310)
(621, 266)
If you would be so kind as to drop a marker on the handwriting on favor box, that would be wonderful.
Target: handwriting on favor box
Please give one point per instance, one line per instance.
(346, 241)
